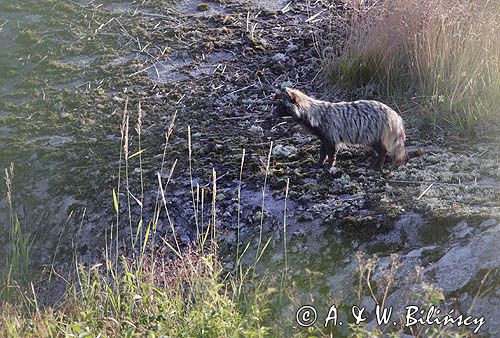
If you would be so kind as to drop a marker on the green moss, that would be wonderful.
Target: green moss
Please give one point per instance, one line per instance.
(203, 7)
(432, 255)
(26, 37)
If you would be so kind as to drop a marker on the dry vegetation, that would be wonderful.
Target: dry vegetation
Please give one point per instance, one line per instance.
(445, 54)
(184, 298)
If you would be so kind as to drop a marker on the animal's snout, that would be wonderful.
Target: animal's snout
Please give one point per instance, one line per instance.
(280, 110)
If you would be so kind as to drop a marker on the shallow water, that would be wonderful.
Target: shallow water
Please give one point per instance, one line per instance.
(45, 66)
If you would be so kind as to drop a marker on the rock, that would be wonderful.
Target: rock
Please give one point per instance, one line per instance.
(417, 253)
(416, 153)
(462, 230)
(407, 229)
(306, 217)
(257, 216)
(298, 233)
(298, 247)
(343, 180)
(203, 7)
(333, 170)
(368, 303)
(490, 308)
(488, 223)
(291, 48)
(280, 57)
(284, 151)
(256, 129)
(463, 262)
(230, 238)
(210, 147)
(286, 84)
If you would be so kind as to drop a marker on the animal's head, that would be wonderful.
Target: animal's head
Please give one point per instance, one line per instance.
(290, 103)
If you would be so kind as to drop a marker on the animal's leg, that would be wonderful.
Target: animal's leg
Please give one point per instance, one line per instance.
(322, 156)
(382, 153)
(332, 155)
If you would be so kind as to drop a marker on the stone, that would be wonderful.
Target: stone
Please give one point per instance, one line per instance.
(284, 151)
(487, 223)
(292, 48)
(462, 229)
(256, 129)
(333, 170)
(463, 262)
(286, 84)
(280, 57)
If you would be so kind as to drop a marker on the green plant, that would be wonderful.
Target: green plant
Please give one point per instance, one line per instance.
(17, 259)
(146, 294)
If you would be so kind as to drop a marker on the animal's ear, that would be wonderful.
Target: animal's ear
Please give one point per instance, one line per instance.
(291, 94)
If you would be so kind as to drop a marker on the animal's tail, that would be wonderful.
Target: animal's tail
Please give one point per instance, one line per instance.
(399, 148)
(393, 140)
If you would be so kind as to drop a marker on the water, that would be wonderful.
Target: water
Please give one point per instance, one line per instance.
(49, 64)
(64, 67)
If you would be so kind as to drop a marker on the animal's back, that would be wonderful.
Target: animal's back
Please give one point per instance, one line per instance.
(356, 122)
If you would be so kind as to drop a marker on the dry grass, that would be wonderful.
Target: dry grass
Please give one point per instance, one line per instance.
(444, 53)
(184, 298)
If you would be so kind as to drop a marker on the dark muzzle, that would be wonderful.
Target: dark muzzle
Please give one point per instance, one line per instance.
(280, 110)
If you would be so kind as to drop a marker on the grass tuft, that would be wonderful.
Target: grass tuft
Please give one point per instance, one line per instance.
(184, 298)
(152, 293)
(444, 54)
(17, 260)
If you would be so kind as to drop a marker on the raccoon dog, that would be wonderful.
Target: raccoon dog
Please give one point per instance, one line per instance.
(363, 122)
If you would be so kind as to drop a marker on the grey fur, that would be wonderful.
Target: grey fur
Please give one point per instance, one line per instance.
(364, 122)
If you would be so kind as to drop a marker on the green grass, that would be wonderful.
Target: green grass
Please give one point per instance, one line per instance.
(17, 259)
(173, 293)
(149, 294)
(444, 55)
(182, 299)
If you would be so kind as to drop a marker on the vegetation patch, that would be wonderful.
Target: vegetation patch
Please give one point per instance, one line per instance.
(444, 55)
